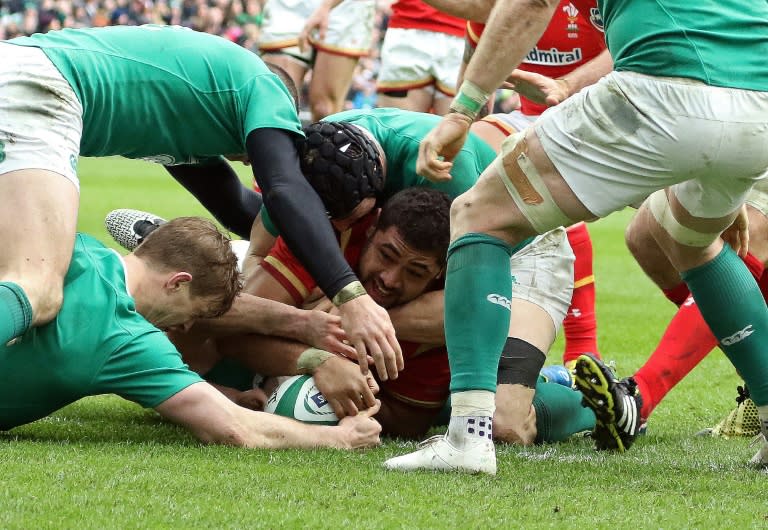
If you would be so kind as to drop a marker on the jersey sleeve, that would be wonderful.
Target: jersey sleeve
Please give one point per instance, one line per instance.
(268, 104)
(147, 370)
(283, 266)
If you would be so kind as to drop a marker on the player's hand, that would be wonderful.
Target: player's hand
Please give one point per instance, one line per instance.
(323, 331)
(737, 235)
(253, 399)
(370, 331)
(317, 21)
(443, 143)
(344, 387)
(538, 88)
(361, 430)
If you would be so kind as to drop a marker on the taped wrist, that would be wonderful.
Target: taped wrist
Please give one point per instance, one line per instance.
(350, 292)
(520, 363)
(469, 100)
(310, 359)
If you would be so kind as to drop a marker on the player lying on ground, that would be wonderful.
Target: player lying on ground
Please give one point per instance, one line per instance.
(108, 339)
(687, 339)
(108, 91)
(544, 278)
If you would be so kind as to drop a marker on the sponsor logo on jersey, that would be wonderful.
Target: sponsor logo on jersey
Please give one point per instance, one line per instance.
(573, 15)
(553, 57)
(596, 18)
(497, 299)
(738, 336)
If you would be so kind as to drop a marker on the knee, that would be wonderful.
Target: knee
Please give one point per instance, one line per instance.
(461, 216)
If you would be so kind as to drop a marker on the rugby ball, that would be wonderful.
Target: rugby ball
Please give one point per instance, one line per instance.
(299, 398)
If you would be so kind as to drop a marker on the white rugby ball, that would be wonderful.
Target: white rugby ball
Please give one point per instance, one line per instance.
(299, 398)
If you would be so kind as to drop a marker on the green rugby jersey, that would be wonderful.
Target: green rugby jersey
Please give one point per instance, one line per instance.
(720, 42)
(165, 93)
(97, 344)
(399, 133)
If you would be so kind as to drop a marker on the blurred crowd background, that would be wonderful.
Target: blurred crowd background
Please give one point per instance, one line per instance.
(237, 20)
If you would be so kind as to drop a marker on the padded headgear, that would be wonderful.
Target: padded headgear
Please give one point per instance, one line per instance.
(342, 164)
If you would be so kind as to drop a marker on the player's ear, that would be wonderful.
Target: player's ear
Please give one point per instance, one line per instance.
(177, 280)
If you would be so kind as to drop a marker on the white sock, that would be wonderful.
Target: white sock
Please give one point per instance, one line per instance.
(471, 417)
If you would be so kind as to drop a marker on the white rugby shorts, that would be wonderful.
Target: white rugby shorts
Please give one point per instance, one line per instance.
(543, 274)
(41, 119)
(350, 28)
(629, 135)
(416, 58)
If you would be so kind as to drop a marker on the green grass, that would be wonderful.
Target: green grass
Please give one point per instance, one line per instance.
(106, 463)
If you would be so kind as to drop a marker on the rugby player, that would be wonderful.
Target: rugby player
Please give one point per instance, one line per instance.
(286, 40)
(354, 140)
(570, 55)
(108, 339)
(688, 339)
(173, 96)
(612, 144)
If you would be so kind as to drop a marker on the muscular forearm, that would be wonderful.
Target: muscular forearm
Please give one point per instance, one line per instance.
(589, 73)
(421, 320)
(513, 26)
(253, 314)
(477, 11)
(262, 354)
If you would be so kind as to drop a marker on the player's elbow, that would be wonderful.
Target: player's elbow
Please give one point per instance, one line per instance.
(231, 434)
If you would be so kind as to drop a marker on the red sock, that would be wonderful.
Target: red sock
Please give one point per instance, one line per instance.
(580, 325)
(685, 343)
(677, 294)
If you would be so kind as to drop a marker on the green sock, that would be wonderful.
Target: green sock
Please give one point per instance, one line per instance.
(731, 303)
(478, 289)
(15, 312)
(559, 412)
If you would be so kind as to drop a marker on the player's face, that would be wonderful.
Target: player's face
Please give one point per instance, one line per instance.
(392, 272)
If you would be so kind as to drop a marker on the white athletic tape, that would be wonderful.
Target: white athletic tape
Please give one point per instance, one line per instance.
(658, 203)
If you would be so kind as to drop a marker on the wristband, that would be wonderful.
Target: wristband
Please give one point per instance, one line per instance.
(350, 292)
(469, 100)
(310, 359)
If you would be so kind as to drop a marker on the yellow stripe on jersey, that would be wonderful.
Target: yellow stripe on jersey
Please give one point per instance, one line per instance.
(288, 275)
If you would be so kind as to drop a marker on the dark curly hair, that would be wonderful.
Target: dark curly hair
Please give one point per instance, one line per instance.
(422, 217)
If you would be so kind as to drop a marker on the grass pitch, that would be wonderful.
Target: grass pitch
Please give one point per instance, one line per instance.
(107, 463)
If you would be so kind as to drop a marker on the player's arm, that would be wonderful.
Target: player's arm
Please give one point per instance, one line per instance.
(299, 215)
(477, 10)
(219, 189)
(513, 26)
(213, 418)
(260, 242)
(339, 379)
(421, 320)
(548, 91)
(318, 20)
